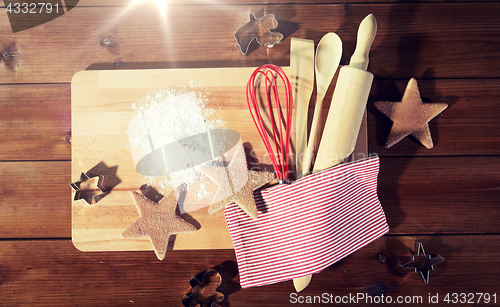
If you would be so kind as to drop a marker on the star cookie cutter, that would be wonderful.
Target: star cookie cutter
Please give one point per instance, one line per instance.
(422, 263)
(85, 191)
(204, 292)
(258, 29)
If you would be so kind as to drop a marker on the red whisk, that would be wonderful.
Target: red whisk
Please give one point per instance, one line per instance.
(280, 123)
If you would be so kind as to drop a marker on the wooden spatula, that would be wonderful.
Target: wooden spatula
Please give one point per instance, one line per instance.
(302, 80)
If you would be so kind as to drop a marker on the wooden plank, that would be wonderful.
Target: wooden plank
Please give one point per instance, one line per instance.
(411, 39)
(469, 126)
(35, 199)
(35, 122)
(472, 105)
(441, 194)
(419, 195)
(57, 274)
(35, 119)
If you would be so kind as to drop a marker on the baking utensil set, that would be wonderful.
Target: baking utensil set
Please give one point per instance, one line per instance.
(348, 104)
(346, 108)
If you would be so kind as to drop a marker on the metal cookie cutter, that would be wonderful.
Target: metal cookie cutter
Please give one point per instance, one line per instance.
(86, 191)
(260, 30)
(204, 293)
(423, 263)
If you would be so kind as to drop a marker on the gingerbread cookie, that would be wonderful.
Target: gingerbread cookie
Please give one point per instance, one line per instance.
(410, 116)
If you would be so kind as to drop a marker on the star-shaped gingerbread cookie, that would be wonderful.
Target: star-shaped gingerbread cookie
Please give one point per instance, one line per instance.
(410, 116)
(158, 221)
(236, 184)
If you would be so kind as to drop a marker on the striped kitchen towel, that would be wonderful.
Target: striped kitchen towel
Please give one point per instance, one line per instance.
(306, 226)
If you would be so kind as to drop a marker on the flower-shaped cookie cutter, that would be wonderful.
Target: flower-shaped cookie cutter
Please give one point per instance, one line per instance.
(87, 192)
(204, 292)
(258, 29)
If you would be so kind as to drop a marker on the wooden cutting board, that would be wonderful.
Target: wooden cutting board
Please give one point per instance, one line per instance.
(101, 111)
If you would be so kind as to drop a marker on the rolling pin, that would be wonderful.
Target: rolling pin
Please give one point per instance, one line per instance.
(348, 102)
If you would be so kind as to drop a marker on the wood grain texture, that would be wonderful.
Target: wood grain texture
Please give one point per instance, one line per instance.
(411, 39)
(302, 80)
(447, 196)
(101, 114)
(420, 195)
(35, 199)
(35, 119)
(469, 126)
(35, 122)
(54, 273)
(441, 194)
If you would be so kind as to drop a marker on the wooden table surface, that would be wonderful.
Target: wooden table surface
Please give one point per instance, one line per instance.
(447, 197)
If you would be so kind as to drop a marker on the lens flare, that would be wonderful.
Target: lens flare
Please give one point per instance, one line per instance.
(161, 4)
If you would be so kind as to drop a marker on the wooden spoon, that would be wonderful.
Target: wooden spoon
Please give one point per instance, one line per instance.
(328, 54)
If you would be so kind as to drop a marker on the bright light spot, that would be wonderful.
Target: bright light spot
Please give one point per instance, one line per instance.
(161, 4)
(155, 8)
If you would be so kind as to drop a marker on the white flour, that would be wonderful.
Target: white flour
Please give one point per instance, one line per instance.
(170, 116)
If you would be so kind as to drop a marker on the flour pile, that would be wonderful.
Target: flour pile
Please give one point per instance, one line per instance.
(167, 117)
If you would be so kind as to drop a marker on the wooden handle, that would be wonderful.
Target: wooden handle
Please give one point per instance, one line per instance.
(301, 283)
(302, 80)
(328, 54)
(313, 137)
(366, 34)
(344, 117)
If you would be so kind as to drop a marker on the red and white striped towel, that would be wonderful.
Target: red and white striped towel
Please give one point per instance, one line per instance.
(306, 226)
